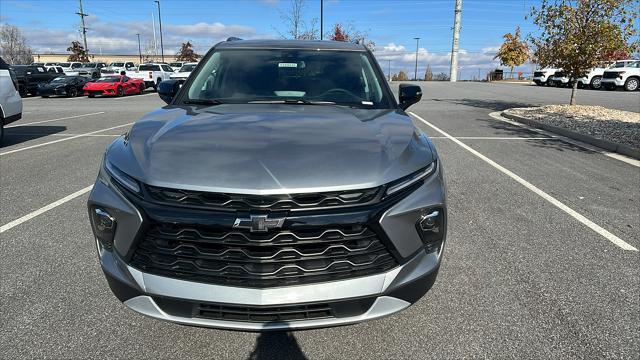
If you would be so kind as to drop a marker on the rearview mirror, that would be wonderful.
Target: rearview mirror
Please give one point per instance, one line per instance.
(167, 89)
(409, 95)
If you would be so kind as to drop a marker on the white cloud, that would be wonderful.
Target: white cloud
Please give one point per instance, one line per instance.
(120, 37)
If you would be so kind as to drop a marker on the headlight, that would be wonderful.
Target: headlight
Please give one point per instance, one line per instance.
(122, 178)
(405, 182)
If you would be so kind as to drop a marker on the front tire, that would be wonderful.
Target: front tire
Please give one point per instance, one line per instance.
(596, 83)
(119, 91)
(141, 89)
(73, 92)
(631, 84)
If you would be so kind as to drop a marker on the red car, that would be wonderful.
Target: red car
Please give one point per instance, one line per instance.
(114, 86)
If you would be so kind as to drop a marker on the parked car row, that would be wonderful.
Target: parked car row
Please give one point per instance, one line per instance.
(621, 73)
(37, 78)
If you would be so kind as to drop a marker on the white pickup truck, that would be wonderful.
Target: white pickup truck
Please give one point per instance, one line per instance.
(543, 76)
(594, 77)
(152, 74)
(626, 76)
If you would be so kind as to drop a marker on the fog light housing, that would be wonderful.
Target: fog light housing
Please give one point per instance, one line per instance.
(431, 227)
(103, 225)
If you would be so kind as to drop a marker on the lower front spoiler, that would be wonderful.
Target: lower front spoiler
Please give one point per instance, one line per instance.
(382, 306)
(403, 287)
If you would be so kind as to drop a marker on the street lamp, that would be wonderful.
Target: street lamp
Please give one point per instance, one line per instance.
(415, 72)
(321, 17)
(160, 20)
(139, 49)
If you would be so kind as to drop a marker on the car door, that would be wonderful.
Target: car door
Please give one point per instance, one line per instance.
(129, 86)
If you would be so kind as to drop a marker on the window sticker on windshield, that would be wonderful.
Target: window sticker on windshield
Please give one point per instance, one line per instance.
(290, 93)
(287, 65)
(367, 103)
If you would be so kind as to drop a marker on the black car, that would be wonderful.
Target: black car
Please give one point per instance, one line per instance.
(70, 86)
(29, 77)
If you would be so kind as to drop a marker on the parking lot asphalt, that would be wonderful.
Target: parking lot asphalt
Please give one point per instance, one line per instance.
(524, 275)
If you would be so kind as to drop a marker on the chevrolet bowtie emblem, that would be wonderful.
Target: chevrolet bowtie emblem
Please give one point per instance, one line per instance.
(258, 223)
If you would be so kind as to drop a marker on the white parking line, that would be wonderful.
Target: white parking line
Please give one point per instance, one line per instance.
(133, 96)
(58, 119)
(44, 209)
(496, 115)
(590, 224)
(61, 140)
(62, 135)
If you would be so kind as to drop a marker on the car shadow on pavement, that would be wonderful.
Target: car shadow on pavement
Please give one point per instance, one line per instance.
(495, 105)
(505, 129)
(276, 345)
(20, 134)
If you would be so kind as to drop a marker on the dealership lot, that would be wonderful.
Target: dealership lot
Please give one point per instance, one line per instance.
(522, 276)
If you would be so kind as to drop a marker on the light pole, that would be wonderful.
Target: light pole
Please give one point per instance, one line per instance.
(415, 72)
(160, 21)
(139, 48)
(321, 17)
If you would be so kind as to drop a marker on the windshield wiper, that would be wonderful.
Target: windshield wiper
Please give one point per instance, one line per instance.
(203, 102)
(292, 101)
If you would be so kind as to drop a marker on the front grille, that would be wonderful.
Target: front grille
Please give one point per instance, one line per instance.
(234, 202)
(610, 75)
(283, 257)
(538, 74)
(558, 74)
(263, 314)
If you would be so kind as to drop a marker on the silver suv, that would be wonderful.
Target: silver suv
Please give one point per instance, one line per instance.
(282, 187)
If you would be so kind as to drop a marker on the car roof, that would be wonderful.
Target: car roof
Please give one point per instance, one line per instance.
(291, 44)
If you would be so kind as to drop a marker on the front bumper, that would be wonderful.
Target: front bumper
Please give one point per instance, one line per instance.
(350, 300)
(52, 92)
(609, 81)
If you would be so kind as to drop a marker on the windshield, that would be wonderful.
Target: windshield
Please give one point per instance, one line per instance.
(187, 68)
(61, 79)
(65, 65)
(620, 64)
(149, 67)
(109, 79)
(175, 64)
(118, 64)
(289, 75)
(90, 65)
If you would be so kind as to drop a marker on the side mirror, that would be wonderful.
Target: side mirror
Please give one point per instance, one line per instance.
(167, 89)
(409, 95)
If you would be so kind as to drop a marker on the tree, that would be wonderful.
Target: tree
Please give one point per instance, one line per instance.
(428, 74)
(339, 34)
(78, 53)
(13, 46)
(297, 27)
(401, 76)
(186, 53)
(513, 51)
(348, 33)
(577, 35)
(441, 77)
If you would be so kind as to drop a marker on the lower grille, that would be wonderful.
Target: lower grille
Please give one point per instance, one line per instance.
(280, 257)
(538, 74)
(610, 75)
(263, 314)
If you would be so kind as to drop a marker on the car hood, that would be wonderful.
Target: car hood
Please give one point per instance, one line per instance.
(183, 74)
(269, 149)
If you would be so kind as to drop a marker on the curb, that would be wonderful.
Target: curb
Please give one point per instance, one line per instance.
(604, 144)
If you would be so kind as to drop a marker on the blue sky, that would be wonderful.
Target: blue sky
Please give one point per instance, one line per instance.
(391, 24)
